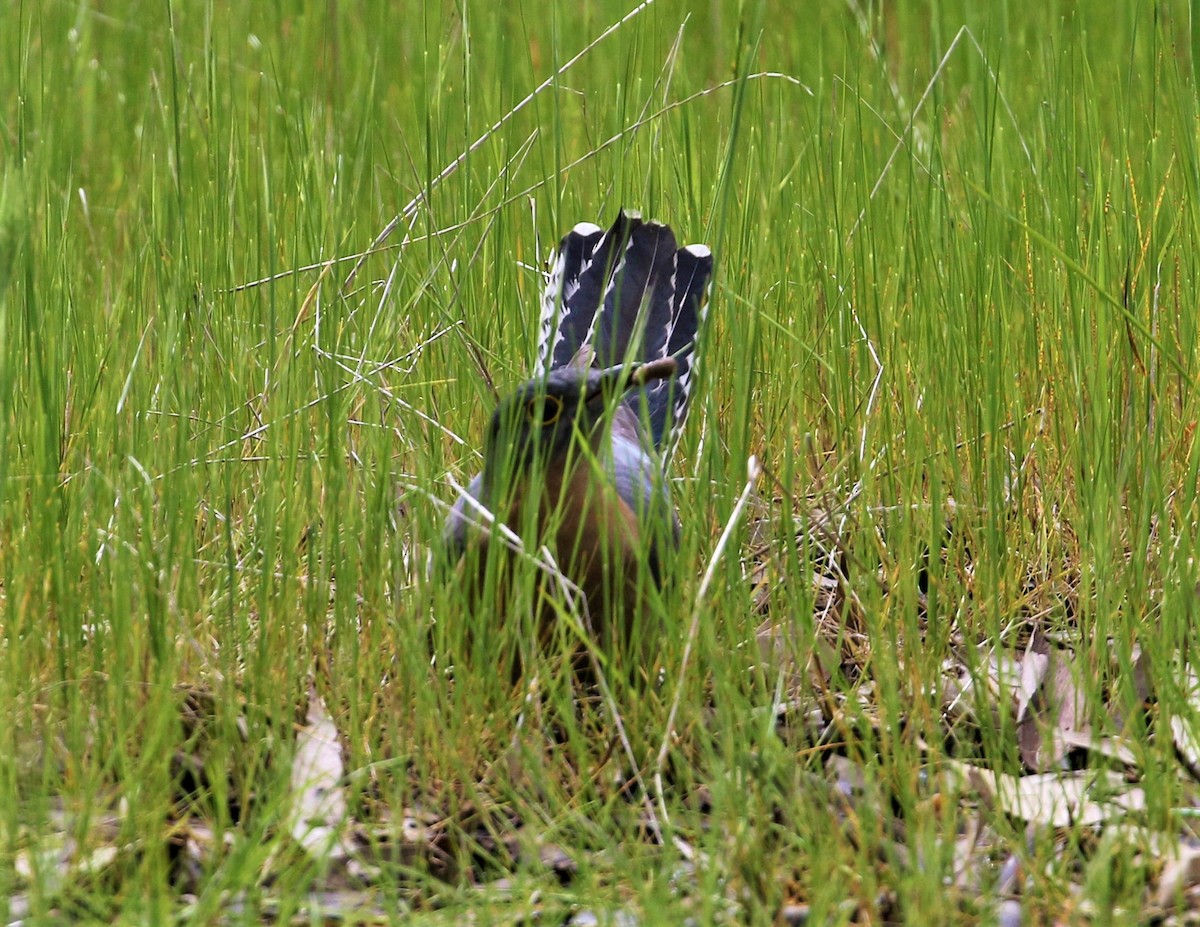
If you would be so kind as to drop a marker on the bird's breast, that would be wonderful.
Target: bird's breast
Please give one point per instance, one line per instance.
(598, 541)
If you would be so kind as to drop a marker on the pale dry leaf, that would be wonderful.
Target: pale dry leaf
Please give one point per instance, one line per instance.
(849, 778)
(1067, 700)
(957, 691)
(1184, 729)
(318, 808)
(980, 695)
(1051, 799)
(1179, 874)
(1142, 685)
(1034, 669)
(1009, 914)
(1112, 748)
(971, 850)
(1155, 844)
(57, 859)
(1003, 674)
(1054, 720)
(1029, 742)
(1139, 680)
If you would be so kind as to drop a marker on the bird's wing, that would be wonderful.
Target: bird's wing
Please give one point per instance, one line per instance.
(462, 518)
(638, 478)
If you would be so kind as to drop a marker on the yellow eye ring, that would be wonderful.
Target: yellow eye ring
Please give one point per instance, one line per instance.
(551, 409)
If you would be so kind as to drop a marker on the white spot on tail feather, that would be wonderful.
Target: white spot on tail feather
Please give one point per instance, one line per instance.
(550, 310)
(690, 369)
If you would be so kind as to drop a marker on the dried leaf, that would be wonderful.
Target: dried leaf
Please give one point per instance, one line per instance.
(1066, 701)
(1046, 732)
(1029, 742)
(1054, 799)
(1183, 730)
(1143, 690)
(1004, 674)
(318, 813)
(849, 777)
(1179, 874)
(1009, 914)
(1034, 669)
(1112, 748)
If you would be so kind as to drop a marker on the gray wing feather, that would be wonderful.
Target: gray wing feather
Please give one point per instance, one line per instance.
(638, 476)
(462, 518)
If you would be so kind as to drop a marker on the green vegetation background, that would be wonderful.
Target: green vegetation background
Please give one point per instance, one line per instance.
(955, 309)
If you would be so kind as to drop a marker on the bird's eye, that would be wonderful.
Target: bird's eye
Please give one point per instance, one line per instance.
(551, 409)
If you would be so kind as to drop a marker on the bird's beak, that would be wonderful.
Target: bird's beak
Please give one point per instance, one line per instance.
(630, 376)
(624, 377)
(662, 369)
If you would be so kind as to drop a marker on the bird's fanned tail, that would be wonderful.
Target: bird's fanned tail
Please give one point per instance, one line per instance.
(628, 294)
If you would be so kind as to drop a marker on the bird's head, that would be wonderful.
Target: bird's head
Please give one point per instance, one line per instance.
(539, 421)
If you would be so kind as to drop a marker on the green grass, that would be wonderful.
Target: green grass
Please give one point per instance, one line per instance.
(954, 317)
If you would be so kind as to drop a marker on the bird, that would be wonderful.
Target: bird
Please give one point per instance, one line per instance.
(574, 458)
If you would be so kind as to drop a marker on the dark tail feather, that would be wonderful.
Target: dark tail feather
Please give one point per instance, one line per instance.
(668, 400)
(567, 319)
(575, 292)
(637, 303)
